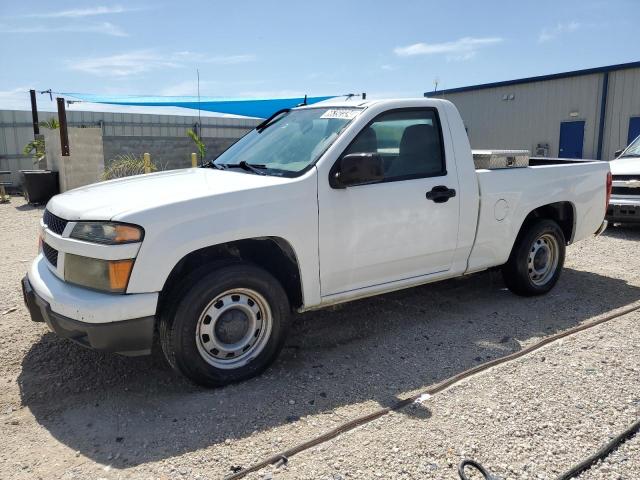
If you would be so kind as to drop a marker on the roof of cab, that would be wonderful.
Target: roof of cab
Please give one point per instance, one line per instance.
(341, 102)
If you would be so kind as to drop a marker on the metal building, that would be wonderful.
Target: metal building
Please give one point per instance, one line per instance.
(581, 114)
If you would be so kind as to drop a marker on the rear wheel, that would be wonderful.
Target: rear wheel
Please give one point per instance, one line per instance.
(536, 260)
(225, 325)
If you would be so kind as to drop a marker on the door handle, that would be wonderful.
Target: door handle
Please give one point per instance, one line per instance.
(441, 194)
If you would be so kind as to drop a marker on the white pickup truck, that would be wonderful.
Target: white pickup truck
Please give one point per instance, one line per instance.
(318, 205)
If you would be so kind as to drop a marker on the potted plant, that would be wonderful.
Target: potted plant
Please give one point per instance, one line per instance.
(39, 184)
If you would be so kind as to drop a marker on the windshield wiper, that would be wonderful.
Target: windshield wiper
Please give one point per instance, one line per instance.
(630, 155)
(217, 166)
(268, 121)
(249, 167)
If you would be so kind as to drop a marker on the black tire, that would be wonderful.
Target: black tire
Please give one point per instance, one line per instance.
(183, 311)
(518, 274)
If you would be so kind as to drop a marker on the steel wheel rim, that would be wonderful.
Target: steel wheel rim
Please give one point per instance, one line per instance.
(542, 260)
(233, 328)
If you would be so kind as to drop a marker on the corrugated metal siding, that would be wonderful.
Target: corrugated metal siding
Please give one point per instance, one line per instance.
(533, 116)
(623, 103)
(16, 130)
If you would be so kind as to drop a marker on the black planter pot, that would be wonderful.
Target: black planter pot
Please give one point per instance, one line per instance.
(39, 185)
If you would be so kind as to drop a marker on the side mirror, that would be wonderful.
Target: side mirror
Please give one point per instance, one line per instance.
(617, 153)
(357, 169)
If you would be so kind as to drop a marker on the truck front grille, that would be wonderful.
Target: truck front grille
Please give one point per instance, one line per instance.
(50, 253)
(626, 177)
(54, 223)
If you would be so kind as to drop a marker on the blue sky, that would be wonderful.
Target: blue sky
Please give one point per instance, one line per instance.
(286, 48)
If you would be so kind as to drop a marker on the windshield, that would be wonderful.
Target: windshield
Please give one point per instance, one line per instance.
(291, 142)
(633, 150)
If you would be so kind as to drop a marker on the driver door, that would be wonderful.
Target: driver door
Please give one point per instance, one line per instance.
(389, 231)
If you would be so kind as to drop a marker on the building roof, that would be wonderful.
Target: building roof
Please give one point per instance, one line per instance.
(554, 76)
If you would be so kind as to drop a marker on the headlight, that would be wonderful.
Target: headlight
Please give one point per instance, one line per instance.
(105, 275)
(108, 233)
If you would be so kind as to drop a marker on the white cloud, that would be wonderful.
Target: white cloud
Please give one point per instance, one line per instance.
(188, 87)
(16, 99)
(230, 59)
(83, 12)
(461, 49)
(124, 64)
(548, 34)
(211, 88)
(195, 57)
(272, 93)
(104, 28)
(141, 61)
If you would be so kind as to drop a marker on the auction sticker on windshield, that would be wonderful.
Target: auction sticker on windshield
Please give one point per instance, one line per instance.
(343, 113)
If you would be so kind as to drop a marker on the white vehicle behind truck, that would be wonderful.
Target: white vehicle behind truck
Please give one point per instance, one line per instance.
(625, 194)
(318, 205)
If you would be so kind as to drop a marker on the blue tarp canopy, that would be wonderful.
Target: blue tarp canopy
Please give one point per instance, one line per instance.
(247, 107)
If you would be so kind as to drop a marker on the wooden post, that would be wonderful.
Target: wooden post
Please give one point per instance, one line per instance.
(64, 134)
(147, 163)
(194, 160)
(34, 112)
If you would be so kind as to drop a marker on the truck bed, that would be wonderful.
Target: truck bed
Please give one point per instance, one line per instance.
(511, 193)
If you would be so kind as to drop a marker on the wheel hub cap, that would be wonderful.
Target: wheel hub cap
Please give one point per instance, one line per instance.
(543, 259)
(233, 328)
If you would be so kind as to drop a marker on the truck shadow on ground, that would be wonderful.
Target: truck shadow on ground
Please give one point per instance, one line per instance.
(129, 411)
(624, 232)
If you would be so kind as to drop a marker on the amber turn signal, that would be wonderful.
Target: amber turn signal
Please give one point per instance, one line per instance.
(127, 233)
(119, 271)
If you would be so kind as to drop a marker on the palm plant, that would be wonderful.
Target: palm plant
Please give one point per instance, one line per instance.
(126, 166)
(35, 148)
(202, 148)
(51, 124)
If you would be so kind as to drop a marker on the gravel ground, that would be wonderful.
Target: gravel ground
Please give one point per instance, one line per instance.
(71, 413)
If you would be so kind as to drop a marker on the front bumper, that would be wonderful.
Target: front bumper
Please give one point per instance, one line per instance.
(113, 323)
(627, 212)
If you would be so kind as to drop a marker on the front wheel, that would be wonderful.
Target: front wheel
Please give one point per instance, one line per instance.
(536, 260)
(225, 325)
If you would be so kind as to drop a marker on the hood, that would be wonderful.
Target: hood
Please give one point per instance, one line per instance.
(105, 200)
(625, 166)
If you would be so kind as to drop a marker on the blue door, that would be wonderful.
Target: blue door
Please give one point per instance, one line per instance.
(634, 129)
(571, 139)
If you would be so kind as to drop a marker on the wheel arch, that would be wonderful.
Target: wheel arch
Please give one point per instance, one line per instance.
(563, 213)
(274, 254)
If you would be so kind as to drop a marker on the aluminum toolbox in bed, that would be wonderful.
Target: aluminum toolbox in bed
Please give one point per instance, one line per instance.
(493, 159)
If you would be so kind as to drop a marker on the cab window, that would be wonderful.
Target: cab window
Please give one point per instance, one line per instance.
(409, 142)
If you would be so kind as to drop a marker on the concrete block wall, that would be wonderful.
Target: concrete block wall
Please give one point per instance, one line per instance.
(166, 152)
(84, 165)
